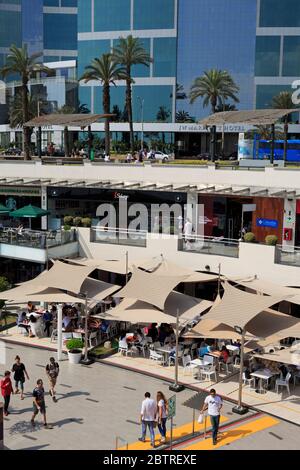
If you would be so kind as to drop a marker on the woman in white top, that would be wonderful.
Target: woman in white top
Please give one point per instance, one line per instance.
(162, 414)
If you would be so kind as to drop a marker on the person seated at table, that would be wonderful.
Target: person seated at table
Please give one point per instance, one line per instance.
(123, 341)
(224, 355)
(104, 326)
(33, 325)
(162, 333)
(204, 349)
(67, 323)
(152, 332)
(47, 319)
(283, 370)
(22, 321)
(30, 307)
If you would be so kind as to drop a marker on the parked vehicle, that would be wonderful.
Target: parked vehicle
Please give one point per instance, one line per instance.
(13, 151)
(157, 155)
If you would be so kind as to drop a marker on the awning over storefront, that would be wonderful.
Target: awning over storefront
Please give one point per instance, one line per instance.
(257, 117)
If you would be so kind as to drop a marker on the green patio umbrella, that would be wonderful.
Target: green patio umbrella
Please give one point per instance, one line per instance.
(29, 212)
(3, 209)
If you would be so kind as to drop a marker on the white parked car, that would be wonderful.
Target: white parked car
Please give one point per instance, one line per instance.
(158, 155)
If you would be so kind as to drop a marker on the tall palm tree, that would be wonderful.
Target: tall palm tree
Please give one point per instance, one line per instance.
(212, 86)
(26, 66)
(107, 71)
(129, 52)
(283, 100)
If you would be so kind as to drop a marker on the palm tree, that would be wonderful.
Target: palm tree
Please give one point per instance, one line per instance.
(106, 70)
(26, 66)
(225, 107)
(16, 117)
(183, 116)
(162, 115)
(129, 52)
(283, 100)
(212, 86)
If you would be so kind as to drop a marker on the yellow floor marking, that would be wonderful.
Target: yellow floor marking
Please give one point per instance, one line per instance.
(234, 434)
(178, 432)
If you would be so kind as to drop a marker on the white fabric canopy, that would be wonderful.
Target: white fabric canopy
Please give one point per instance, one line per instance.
(167, 268)
(97, 290)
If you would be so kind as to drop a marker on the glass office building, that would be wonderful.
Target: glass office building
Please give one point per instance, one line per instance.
(100, 25)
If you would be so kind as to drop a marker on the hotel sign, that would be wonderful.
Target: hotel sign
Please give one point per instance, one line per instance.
(20, 191)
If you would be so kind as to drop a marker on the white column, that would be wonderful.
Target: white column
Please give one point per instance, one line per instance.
(44, 206)
(59, 332)
(289, 221)
(192, 211)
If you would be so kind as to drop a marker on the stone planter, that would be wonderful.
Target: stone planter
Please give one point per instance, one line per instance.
(74, 356)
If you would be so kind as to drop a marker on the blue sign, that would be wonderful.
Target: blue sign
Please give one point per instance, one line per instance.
(267, 223)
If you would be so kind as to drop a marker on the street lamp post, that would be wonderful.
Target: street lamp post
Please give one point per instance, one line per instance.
(141, 100)
(240, 409)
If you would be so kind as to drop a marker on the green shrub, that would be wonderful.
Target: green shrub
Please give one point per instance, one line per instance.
(77, 221)
(86, 221)
(271, 240)
(68, 220)
(249, 237)
(67, 228)
(4, 285)
(75, 343)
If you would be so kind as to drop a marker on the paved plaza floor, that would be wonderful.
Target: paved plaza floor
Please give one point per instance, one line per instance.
(100, 402)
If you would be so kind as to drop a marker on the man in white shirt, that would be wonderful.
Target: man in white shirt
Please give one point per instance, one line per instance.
(148, 416)
(213, 403)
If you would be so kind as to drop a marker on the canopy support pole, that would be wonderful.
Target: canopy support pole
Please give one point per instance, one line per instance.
(176, 387)
(285, 144)
(59, 332)
(240, 409)
(272, 143)
(86, 361)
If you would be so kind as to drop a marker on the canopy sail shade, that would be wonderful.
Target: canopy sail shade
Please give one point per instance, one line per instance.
(4, 209)
(167, 268)
(29, 211)
(149, 287)
(262, 117)
(273, 325)
(284, 356)
(266, 287)
(97, 290)
(237, 307)
(113, 265)
(212, 329)
(53, 295)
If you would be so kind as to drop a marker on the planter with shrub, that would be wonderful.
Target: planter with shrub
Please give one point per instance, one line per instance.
(67, 228)
(271, 240)
(86, 221)
(249, 237)
(74, 347)
(77, 221)
(68, 220)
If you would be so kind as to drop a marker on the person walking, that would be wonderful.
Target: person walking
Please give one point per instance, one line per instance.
(162, 414)
(39, 402)
(6, 391)
(52, 371)
(148, 416)
(20, 371)
(213, 403)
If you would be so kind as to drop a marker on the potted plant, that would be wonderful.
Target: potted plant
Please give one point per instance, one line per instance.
(86, 221)
(77, 221)
(67, 228)
(271, 240)
(74, 347)
(249, 237)
(68, 220)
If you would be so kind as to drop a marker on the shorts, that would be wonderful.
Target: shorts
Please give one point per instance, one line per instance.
(21, 383)
(52, 381)
(42, 408)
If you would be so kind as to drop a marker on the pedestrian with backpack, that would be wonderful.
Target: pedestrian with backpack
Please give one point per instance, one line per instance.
(52, 371)
(39, 402)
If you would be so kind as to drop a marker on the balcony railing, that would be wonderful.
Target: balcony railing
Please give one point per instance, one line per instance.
(118, 236)
(209, 245)
(37, 239)
(287, 255)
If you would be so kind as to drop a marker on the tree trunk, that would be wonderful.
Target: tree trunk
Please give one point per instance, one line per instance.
(106, 109)
(129, 108)
(213, 102)
(66, 141)
(26, 130)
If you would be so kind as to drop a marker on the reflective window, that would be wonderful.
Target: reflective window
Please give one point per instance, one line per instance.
(279, 13)
(84, 16)
(10, 28)
(89, 50)
(112, 15)
(32, 25)
(117, 98)
(154, 14)
(227, 42)
(267, 56)
(154, 97)
(51, 58)
(85, 96)
(164, 52)
(265, 94)
(69, 3)
(291, 56)
(51, 3)
(11, 2)
(60, 31)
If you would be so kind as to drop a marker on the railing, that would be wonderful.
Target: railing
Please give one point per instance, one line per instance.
(287, 255)
(118, 236)
(37, 239)
(210, 245)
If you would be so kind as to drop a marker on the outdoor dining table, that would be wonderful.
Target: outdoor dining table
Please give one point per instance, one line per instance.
(232, 348)
(166, 352)
(263, 374)
(200, 363)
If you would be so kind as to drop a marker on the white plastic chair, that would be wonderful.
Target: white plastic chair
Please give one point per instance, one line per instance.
(77, 335)
(173, 359)
(53, 338)
(155, 356)
(208, 372)
(283, 383)
(248, 382)
(126, 351)
(92, 336)
(187, 366)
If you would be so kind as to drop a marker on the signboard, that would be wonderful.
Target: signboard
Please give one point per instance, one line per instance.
(172, 407)
(271, 223)
(20, 191)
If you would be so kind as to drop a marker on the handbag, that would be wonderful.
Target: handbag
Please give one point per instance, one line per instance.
(200, 419)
